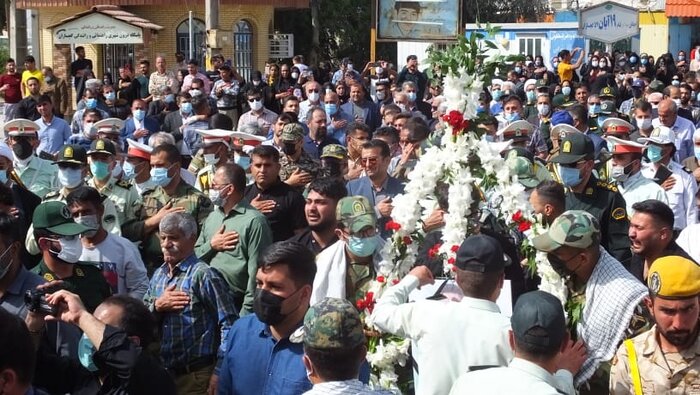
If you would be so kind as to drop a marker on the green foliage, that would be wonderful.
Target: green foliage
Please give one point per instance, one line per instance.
(4, 55)
(503, 11)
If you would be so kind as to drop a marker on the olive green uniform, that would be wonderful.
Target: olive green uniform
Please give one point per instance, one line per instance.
(124, 197)
(87, 282)
(605, 202)
(39, 176)
(194, 202)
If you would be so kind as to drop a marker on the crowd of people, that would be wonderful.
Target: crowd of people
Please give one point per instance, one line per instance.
(188, 231)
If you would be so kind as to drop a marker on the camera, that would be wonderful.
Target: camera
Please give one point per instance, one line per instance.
(35, 300)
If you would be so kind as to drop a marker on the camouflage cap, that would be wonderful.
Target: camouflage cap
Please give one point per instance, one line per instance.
(333, 323)
(292, 132)
(574, 228)
(336, 151)
(356, 213)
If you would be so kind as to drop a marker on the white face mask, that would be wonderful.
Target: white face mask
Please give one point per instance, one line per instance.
(255, 105)
(71, 249)
(543, 109)
(90, 221)
(211, 159)
(117, 169)
(313, 97)
(643, 123)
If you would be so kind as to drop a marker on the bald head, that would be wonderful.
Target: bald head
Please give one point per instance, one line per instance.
(668, 112)
(672, 92)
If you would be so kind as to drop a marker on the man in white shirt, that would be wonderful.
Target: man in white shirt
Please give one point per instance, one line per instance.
(449, 338)
(545, 359)
(313, 98)
(682, 128)
(680, 185)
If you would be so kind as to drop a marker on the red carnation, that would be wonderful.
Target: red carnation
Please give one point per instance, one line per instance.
(380, 279)
(518, 216)
(360, 304)
(391, 225)
(407, 240)
(395, 281)
(451, 261)
(523, 226)
(454, 248)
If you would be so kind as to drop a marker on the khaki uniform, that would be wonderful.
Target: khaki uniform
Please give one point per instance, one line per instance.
(40, 176)
(123, 195)
(684, 377)
(110, 219)
(204, 178)
(194, 202)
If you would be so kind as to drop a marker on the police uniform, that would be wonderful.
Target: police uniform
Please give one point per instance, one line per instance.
(640, 365)
(205, 174)
(635, 188)
(194, 202)
(121, 193)
(559, 132)
(599, 198)
(37, 174)
(293, 133)
(86, 280)
(143, 152)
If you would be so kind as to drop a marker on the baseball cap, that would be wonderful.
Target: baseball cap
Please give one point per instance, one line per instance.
(55, 217)
(71, 153)
(607, 91)
(332, 323)
(574, 228)
(102, 146)
(292, 132)
(336, 151)
(538, 310)
(560, 117)
(561, 101)
(638, 84)
(674, 277)
(356, 213)
(660, 135)
(657, 86)
(573, 148)
(607, 107)
(481, 254)
(525, 171)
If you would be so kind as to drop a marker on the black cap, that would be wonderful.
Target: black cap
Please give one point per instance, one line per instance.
(102, 146)
(573, 148)
(541, 311)
(481, 254)
(72, 153)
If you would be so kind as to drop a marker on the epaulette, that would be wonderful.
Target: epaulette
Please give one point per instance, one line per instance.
(52, 194)
(606, 185)
(124, 184)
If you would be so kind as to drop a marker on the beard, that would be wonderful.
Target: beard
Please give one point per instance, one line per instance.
(678, 338)
(322, 225)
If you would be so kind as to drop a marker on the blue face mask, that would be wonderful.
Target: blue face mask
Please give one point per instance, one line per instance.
(139, 114)
(645, 61)
(169, 98)
(411, 96)
(129, 171)
(480, 109)
(99, 170)
(362, 246)
(331, 109)
(518, 70)
(110, 96)
(69, 178)
(633, 59)
(85, 352)
(159, 176)
(566, 91)
(570, 176)
(511, 117)
(91, 103)
(593, 109)
(601, 119)
(697, 156)
(497, 95)
(530, 96)
(654, 153)
(242, 161)
(3, 177)
(186, 108)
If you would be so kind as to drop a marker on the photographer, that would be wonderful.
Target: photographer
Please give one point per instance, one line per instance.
(112, 357)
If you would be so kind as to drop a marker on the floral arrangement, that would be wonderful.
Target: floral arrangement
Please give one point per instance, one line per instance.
(459, 158)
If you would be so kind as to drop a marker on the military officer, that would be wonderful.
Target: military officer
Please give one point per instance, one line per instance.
(620, 129)
(665, 359)
(102, 159)
(37, 174)
(626, 172)
(679, 184)
(216, 148)
(110, 129)
(518, 132)
(297, 167)
(559, 131)
(532, 171)
(586, 192)
(58, 237)
(171, 194)
(137, 166)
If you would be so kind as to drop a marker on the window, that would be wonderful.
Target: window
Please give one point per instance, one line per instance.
(243, 48)
(530, 46)
(199, 37)
(115, 56)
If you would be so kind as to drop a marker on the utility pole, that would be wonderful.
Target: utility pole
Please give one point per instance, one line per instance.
(211, 16)
(17, 21)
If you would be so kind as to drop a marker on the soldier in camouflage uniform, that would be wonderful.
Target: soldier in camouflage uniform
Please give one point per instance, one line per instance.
(171, 194)
(667, 358)
(605, 302)
(297, 168)
(216, 146)
(102, 159)
(333, 327)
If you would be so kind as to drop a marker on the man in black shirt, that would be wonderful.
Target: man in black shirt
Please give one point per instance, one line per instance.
(78, 68)
(281, 204)
(321, 203)
(112, 352)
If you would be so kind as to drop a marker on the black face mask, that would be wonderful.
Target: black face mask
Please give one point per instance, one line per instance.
(289, 148)
(268, 306)
(559, 265)
(331, 167)
(22, 149)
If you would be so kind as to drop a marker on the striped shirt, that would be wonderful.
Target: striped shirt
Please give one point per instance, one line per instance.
(196, 331)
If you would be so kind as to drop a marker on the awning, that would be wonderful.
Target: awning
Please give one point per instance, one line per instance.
(102, 24)
(683, 8)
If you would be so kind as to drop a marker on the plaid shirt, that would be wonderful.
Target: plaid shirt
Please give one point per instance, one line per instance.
(196, 331)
